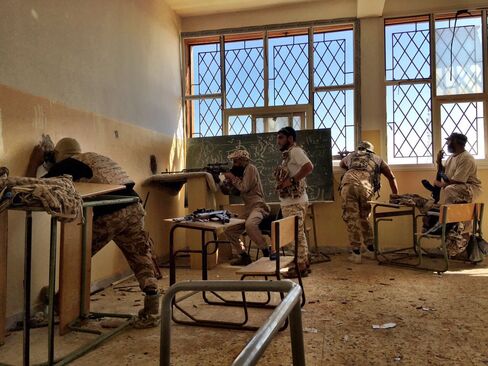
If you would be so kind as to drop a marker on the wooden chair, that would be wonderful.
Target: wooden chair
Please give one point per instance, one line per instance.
(283, 233)
(450, 214)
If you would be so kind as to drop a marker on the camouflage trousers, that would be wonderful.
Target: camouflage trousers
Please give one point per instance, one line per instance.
(300, 210)
(251, 226)
(126, 228)
(355, 213)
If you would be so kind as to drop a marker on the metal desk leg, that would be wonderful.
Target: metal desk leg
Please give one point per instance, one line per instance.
(52, 288)
(27, 285)
(204, 257)
(172, 259)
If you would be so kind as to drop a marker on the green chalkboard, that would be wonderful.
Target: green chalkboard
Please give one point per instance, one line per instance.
(266, 156)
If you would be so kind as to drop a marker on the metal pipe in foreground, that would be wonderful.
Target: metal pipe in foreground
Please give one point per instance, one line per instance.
(290, 306)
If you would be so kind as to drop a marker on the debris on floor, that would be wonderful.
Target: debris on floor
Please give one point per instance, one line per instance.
(384, 326)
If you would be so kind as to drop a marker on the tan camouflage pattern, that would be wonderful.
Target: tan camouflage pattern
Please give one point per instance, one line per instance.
(126, 228)
(414, 200)
(281, 173)
(56, 195)
(456, 242)
(105, 170)
(239, 154)
(355, 212)
(299, 210)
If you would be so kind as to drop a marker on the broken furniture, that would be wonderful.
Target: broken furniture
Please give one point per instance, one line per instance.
(283, 232)
(289, 308)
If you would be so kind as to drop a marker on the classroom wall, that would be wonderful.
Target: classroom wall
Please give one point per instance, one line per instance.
(330, 227)
(104, 72)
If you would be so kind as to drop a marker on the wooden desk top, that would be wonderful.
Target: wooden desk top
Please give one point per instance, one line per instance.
(212, 225)
(95, 189)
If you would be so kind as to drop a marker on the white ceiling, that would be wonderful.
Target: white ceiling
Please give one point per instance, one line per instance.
(188, 8)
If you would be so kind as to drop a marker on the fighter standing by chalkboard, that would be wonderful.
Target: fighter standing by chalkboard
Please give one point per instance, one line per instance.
(291, 186)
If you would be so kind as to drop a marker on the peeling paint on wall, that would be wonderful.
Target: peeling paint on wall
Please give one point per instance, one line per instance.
(40, 120)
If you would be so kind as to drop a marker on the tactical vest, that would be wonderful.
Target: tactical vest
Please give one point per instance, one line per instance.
(364, 161)
(281, 173)
(104, 169)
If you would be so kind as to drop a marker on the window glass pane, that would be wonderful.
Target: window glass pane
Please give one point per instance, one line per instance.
(240, 125)
(288, 70)
(205, 62)
(407, 51)
(335, 110)
(207, 117)
(333, 58)
(409, 122)
(459, 56)
(466, 118)
(244, 74)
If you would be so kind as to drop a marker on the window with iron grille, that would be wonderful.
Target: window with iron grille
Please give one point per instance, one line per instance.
(430, 95)
(241, 83)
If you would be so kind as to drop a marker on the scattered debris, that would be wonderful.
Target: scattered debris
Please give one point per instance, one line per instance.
(384, 326)
(345, 338)
(397, 358)
(310, 330)
(314, 302)
(195, 306)
(392, 279)
(425, 308)
(384, 284)
(422, 299)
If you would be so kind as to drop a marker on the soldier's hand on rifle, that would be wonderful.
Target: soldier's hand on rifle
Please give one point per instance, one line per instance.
(229, 176)
(439, 184)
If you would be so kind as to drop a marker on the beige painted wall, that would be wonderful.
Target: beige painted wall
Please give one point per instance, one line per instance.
(114, 58)
(87, 69)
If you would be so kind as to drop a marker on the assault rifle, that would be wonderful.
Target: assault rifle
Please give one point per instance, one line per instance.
(440, 176)
(341, 154)
(215, 169)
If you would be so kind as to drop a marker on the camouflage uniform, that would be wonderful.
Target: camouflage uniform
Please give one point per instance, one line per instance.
(358, 186)
(300, 210)
(294, 199)
(124, 226)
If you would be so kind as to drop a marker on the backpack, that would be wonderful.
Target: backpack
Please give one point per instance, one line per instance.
(363, 160)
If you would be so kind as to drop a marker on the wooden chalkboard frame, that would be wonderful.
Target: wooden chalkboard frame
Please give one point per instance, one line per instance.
(266, 156)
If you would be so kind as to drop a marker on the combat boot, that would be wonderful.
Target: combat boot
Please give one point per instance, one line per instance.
(148, 317)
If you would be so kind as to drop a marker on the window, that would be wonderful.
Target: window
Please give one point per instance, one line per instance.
(429, 94)
(261, 81)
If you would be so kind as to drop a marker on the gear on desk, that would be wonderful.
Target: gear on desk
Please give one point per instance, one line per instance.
(204, 215)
